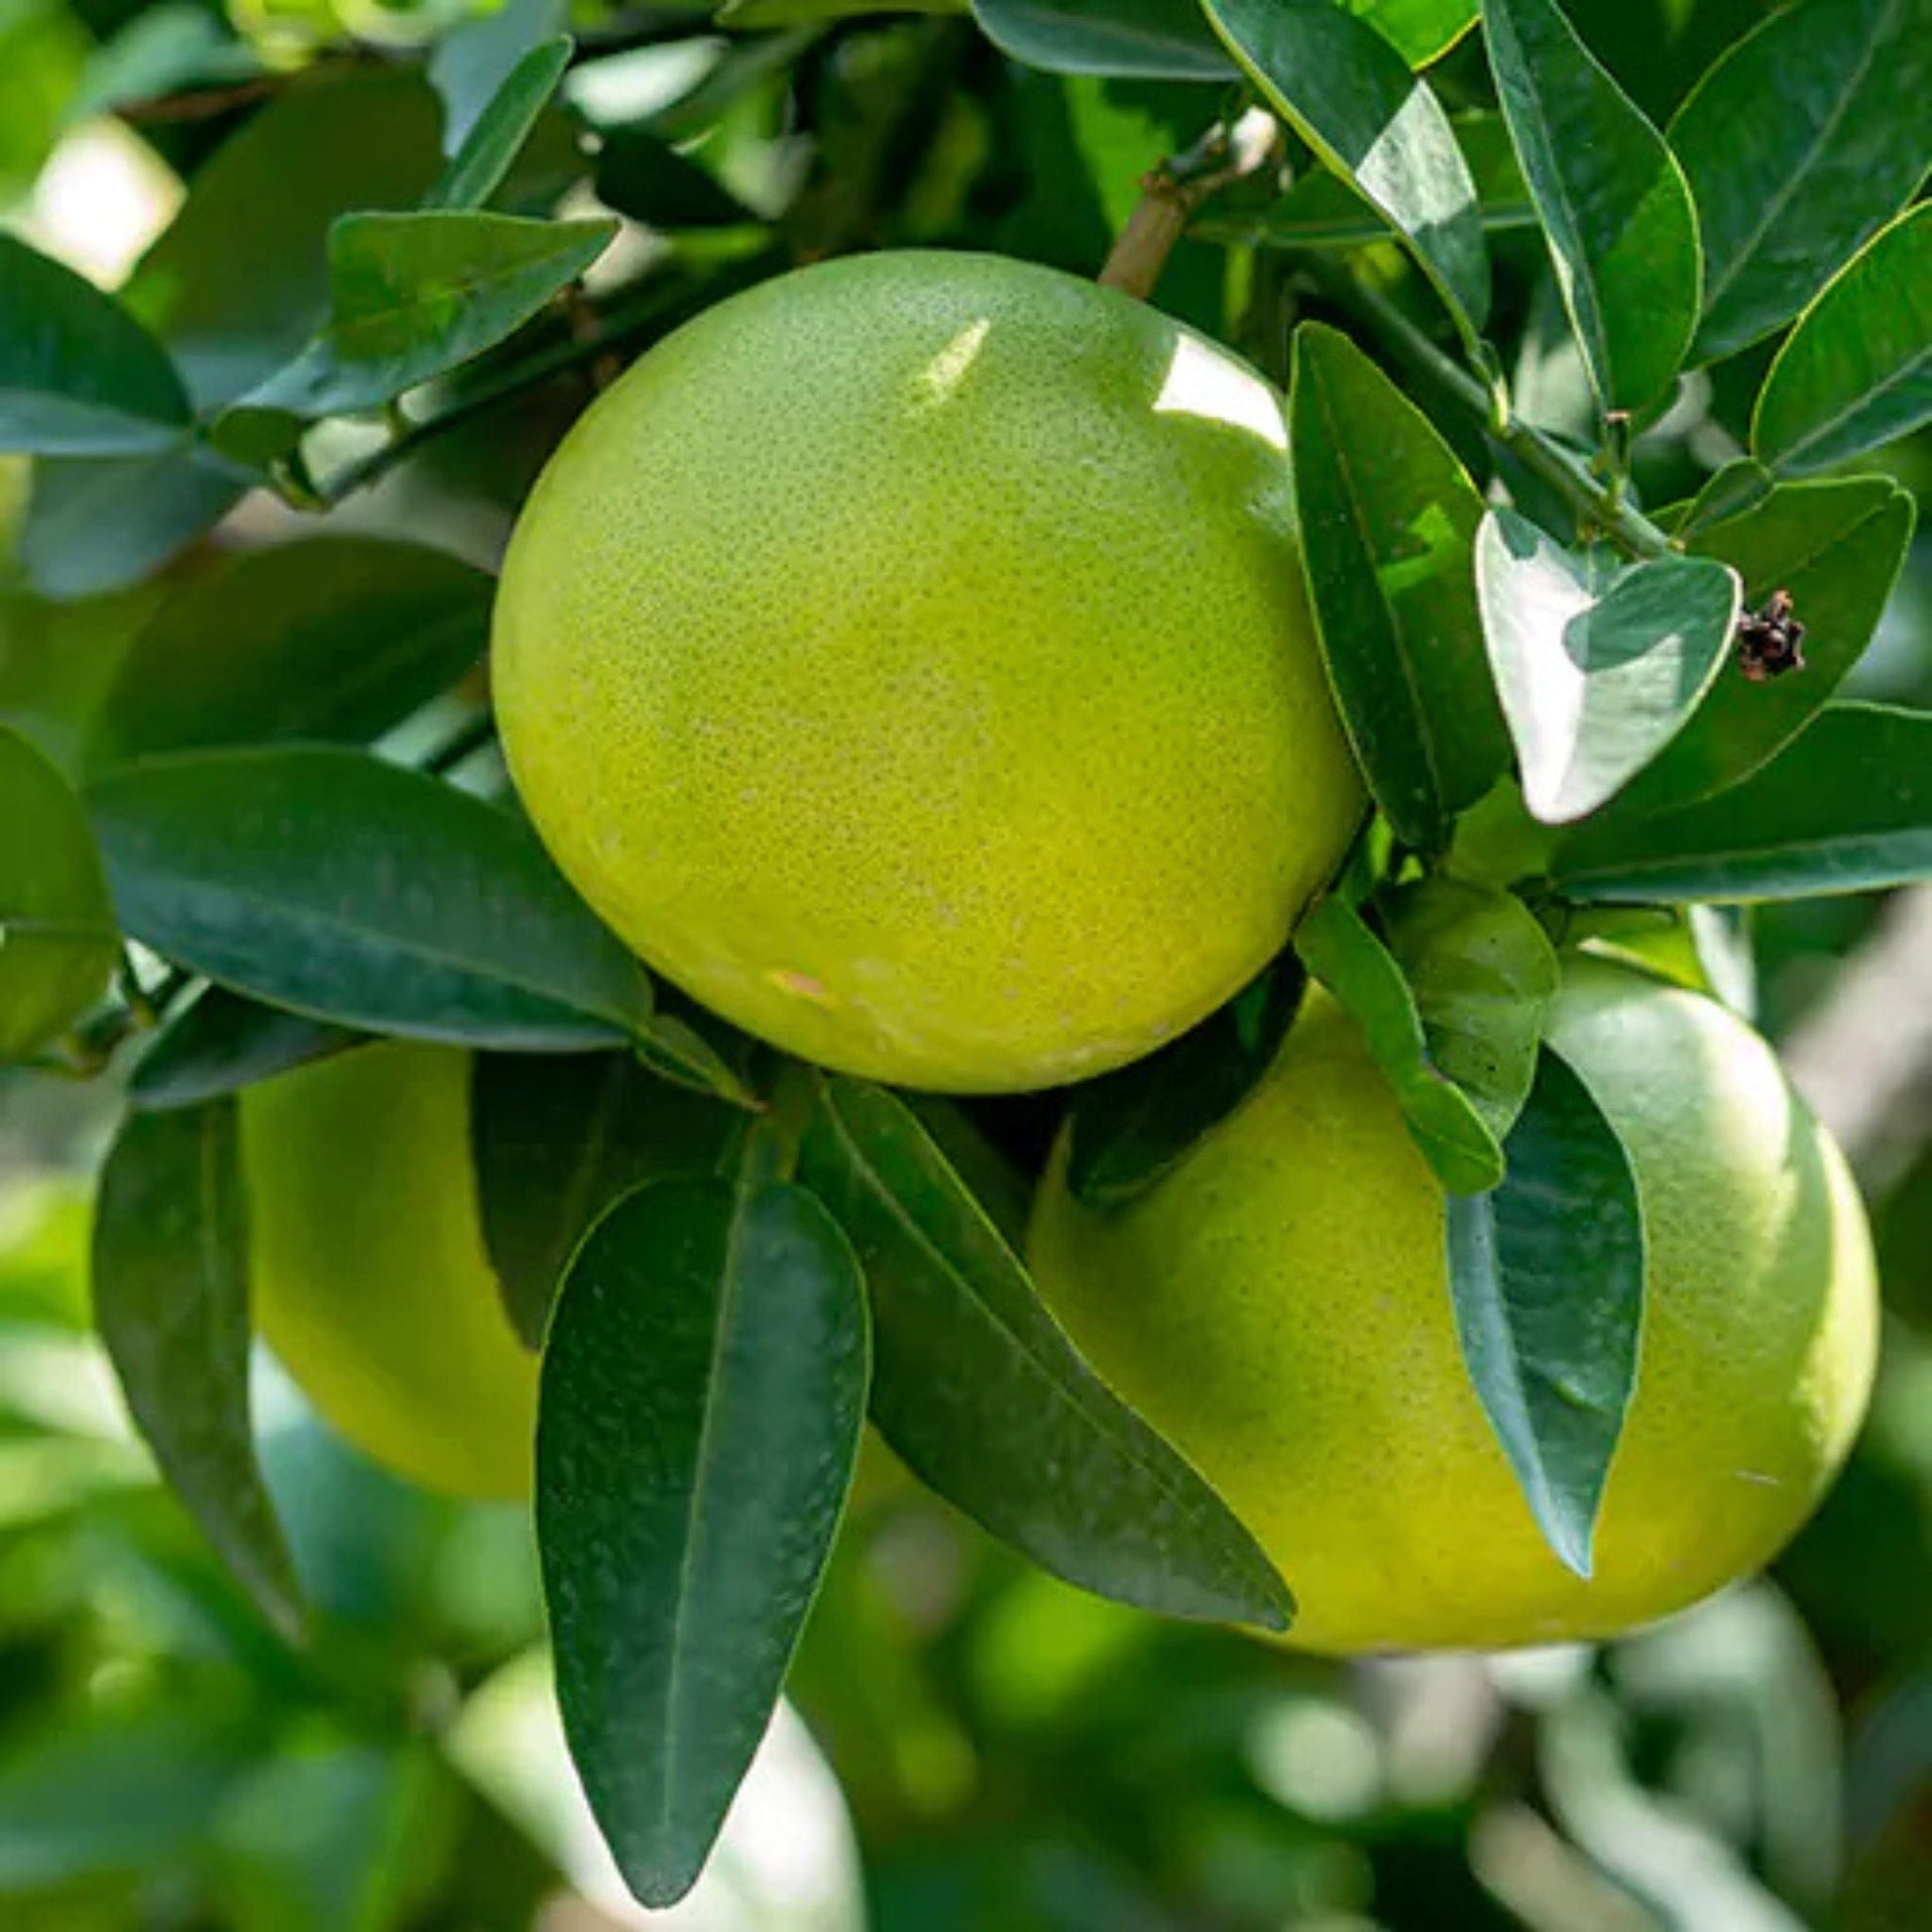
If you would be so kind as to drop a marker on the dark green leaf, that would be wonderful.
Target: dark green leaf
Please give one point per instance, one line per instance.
(97, 524)
(1131, 1125)
(1388, 521)
(1321, 211)
(78, 375)
(558, 1138)
(1341, 952)
(416, 295)
(1845, 807)
(1837, 548)
(704, 1387)
(979, 1391)
(642, 176)
(1482, 973)
(1354, 99)
(1740, 485)
(239, 280)
(322, 880)
(1857, 370)
(1599, 666)
(58, 937)
(1152, 38)
(170, 1302)
(1613, 201)
(1547, 1276)
(496, 136)
(325, 637)
(675, 1050)
(220, 1043)
(1802, 141)
(474, 60)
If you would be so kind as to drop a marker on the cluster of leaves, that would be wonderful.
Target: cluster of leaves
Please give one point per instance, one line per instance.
(1545, 694)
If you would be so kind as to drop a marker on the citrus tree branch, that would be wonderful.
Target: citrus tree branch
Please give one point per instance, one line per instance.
(1601, 505)
(1170, 192)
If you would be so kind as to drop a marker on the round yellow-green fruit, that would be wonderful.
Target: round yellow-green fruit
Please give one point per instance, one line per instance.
(909, 657)
(1279, 1307)
(370, 1279)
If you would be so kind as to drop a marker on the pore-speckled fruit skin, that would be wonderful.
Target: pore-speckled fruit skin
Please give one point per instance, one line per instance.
(371, 1283)
(1279, 1307)
(910, 658)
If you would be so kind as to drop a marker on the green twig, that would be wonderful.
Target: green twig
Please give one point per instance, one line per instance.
(1597, 504)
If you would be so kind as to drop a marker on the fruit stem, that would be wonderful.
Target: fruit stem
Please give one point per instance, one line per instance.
(1171, 191)
(1601, 507)
(772, 1147)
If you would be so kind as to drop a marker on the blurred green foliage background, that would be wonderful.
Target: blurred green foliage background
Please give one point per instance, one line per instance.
(980, 1745)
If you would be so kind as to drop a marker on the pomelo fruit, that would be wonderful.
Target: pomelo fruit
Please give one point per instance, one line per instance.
(1279, 1307)
(371, 1278)
(909, 657)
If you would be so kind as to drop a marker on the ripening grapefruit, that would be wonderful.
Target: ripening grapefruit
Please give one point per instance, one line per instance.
(371, 1278)
(1278, 1305)
(909, 658)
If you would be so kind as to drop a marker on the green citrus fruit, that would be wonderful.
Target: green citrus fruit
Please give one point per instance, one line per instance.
(909, 657)
(1279, 1307)
(370, 1279)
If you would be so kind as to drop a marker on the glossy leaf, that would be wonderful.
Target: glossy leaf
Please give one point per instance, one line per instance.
(1146, 39)
(979, 1391)
(1857, 370)
(219, 1042)
(57, 938)
(1845, 807)
(240, 280)
(703, 1391)
(1129, 1127)
(416, 295)
(97, 524)
(558, 1138)
(325, 638)
(1388, 519)
(1837, 548)
(675, 1050)
(322, 880)
(1338, 949)
(1421, 30)
(1599, 666)
(1800, 143)
(1354, 99)
(496, 136)
(1320, 211)
(1613, 201)
(1482, 973)
(1547, 1276)
(469, 63)
(1740, 485)
(78, 375)
(170, 1302)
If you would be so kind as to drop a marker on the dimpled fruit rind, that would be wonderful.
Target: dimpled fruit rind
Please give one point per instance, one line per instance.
(370, 1281)
(909, 657)
(1279, 1307)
